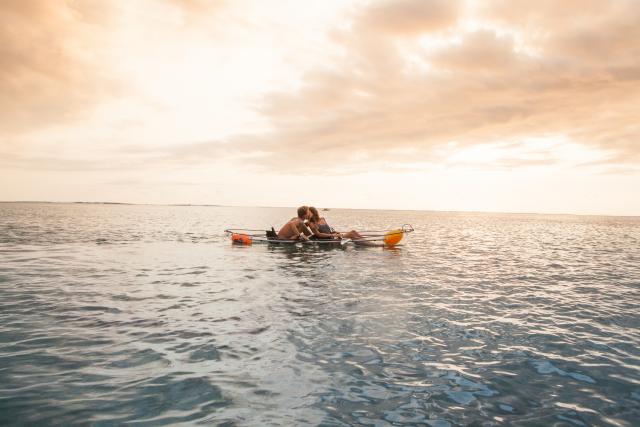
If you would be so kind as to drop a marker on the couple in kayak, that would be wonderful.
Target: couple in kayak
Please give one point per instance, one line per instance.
(309, 225)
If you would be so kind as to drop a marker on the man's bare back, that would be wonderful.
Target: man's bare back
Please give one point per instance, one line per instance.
(292, 229)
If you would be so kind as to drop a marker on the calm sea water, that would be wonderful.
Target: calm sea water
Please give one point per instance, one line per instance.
(148, 315)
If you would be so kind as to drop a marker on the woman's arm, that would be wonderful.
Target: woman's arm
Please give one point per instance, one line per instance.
(317, 233)
(333, 233)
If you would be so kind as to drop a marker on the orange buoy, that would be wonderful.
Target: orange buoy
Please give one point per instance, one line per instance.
(241, 239)
(393, 237)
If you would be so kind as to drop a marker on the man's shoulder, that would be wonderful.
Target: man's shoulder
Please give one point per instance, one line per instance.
(294, 221)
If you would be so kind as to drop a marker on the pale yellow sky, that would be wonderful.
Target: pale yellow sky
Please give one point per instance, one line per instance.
(496, 105)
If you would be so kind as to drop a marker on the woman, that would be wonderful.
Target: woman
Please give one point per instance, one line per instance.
(322, 230)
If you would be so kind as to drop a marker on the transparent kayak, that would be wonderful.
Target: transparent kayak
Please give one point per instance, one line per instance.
(370, 237)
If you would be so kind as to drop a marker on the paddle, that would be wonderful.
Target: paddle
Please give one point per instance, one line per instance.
(304, 224)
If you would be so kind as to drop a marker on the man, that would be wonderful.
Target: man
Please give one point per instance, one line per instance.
(295, 228)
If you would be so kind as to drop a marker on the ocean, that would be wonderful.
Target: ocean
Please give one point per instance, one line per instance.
(148, 315)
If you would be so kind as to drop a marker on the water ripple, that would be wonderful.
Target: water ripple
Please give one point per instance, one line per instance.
(121, 314)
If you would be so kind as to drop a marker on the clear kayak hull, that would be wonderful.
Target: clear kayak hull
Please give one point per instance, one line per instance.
(369, 238)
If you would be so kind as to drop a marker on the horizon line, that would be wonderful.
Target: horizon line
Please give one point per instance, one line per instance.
(328, 207)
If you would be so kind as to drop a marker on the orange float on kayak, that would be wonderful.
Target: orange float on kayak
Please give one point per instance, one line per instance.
(241, 239)
(393, 237)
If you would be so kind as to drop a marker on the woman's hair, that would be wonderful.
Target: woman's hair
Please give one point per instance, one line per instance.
(315, 216)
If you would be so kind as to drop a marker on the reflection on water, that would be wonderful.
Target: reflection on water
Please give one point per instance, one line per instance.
(110, 314)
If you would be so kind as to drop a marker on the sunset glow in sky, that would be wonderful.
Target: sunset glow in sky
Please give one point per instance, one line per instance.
(497, 105)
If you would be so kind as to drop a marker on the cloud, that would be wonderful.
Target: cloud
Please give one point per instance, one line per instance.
(51, 69)
(401, 82)
(480, 51)
(409, 17)
(558, 69)
(61, 60)
(130, 157)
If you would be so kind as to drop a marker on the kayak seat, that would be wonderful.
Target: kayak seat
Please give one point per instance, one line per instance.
(271, 234)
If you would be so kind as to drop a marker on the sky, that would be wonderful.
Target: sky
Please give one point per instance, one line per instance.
(496, 105)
